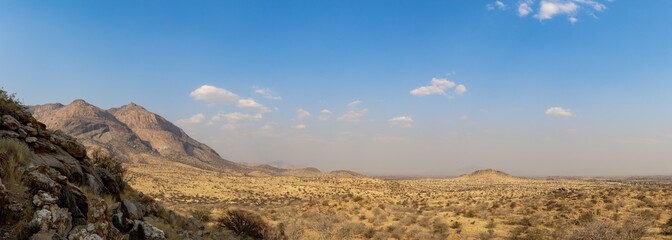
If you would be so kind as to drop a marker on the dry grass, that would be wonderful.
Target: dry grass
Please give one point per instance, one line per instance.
(370, 208)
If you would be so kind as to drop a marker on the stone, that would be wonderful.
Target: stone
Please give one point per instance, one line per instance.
(31, 140)
(132, 211)
(44, 198)
(82, 233)
(52, 217)
(71, 146)
(143, 230)
(121, 223)
(76, 202)
(94, 183)
(47, 235)
(9, 122)
(40, 181)
(30, 130)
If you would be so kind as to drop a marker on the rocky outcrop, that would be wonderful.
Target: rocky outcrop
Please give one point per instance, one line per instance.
(59, 192)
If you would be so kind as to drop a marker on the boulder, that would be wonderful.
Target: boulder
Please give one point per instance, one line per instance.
(132, 211)
(71, 146)
(143, 230)
(9, 122)
(76, 202)
(39, 181)
(43, 198)
(121, 223)
(52, 218)
(9, 134)
(84, 232)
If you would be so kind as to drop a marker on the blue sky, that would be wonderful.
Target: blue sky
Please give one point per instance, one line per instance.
(560, 87)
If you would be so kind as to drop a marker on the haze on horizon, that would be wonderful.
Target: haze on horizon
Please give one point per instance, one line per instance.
(539, 87)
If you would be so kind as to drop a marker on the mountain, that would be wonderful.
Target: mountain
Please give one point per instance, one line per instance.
(130, 132)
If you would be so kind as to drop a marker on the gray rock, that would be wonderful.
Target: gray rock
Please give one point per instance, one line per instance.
(31, 139)
(9, 134)
(145, 230)
(132, 211)
(10, 123)
(44, 198)
(39, 181)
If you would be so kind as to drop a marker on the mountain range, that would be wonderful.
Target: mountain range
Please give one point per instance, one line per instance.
(136, 135)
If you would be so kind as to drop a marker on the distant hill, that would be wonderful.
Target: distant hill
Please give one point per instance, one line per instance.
(129, 132)
(488, 175)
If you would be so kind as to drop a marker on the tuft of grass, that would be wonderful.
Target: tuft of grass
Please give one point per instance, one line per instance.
(9, 105)
(14, 156)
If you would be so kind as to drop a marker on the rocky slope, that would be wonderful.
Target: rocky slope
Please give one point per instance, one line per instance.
(129, 132)
(51, 189)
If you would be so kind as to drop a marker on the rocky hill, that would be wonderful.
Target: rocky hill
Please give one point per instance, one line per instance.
(129, 132)
(51, 189)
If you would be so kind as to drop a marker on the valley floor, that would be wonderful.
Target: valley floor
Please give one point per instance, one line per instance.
(370, 208)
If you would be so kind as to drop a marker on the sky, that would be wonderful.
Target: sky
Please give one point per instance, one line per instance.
(530, 87)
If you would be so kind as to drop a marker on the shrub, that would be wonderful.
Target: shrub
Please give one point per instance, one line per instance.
(9, 105)
(201, 215)
(666, 229)
(246, 223)
(110, 170)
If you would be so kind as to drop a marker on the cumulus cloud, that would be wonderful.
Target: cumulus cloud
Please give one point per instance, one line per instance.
(299, 127)
(197, 118)
(325, 114)
(354, 104)
(353, 116)
(302, 113)
(251, 104)
(266, 93)
(460, 89)
(214, 95)
(401, 121)
(524, 8)
(438, 86)
(496, 5)
(236, 117)
(548, 9)
(559, 112)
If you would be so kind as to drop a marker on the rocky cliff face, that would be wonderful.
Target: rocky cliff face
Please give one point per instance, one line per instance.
(51, 189)
(128, 132)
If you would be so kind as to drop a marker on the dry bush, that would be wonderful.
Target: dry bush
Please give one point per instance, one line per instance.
(247, 224)
(666, 229)
(110, 166)
(202, 215)
(9, 105)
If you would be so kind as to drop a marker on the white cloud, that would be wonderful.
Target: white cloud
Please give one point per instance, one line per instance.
(438, 86)
(251, 104)
(236, 117)
(197, 118)
(353, 116)
(267, 93)
(496, 5)
(325, 114)
(460, 89)
(548, 9)
(559, 112)
(354, 104)
(214, 95)
(524, 8)
(302, 113)
(299, 126)
(401, 121)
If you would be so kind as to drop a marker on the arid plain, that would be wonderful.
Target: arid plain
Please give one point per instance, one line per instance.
(486, 204)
